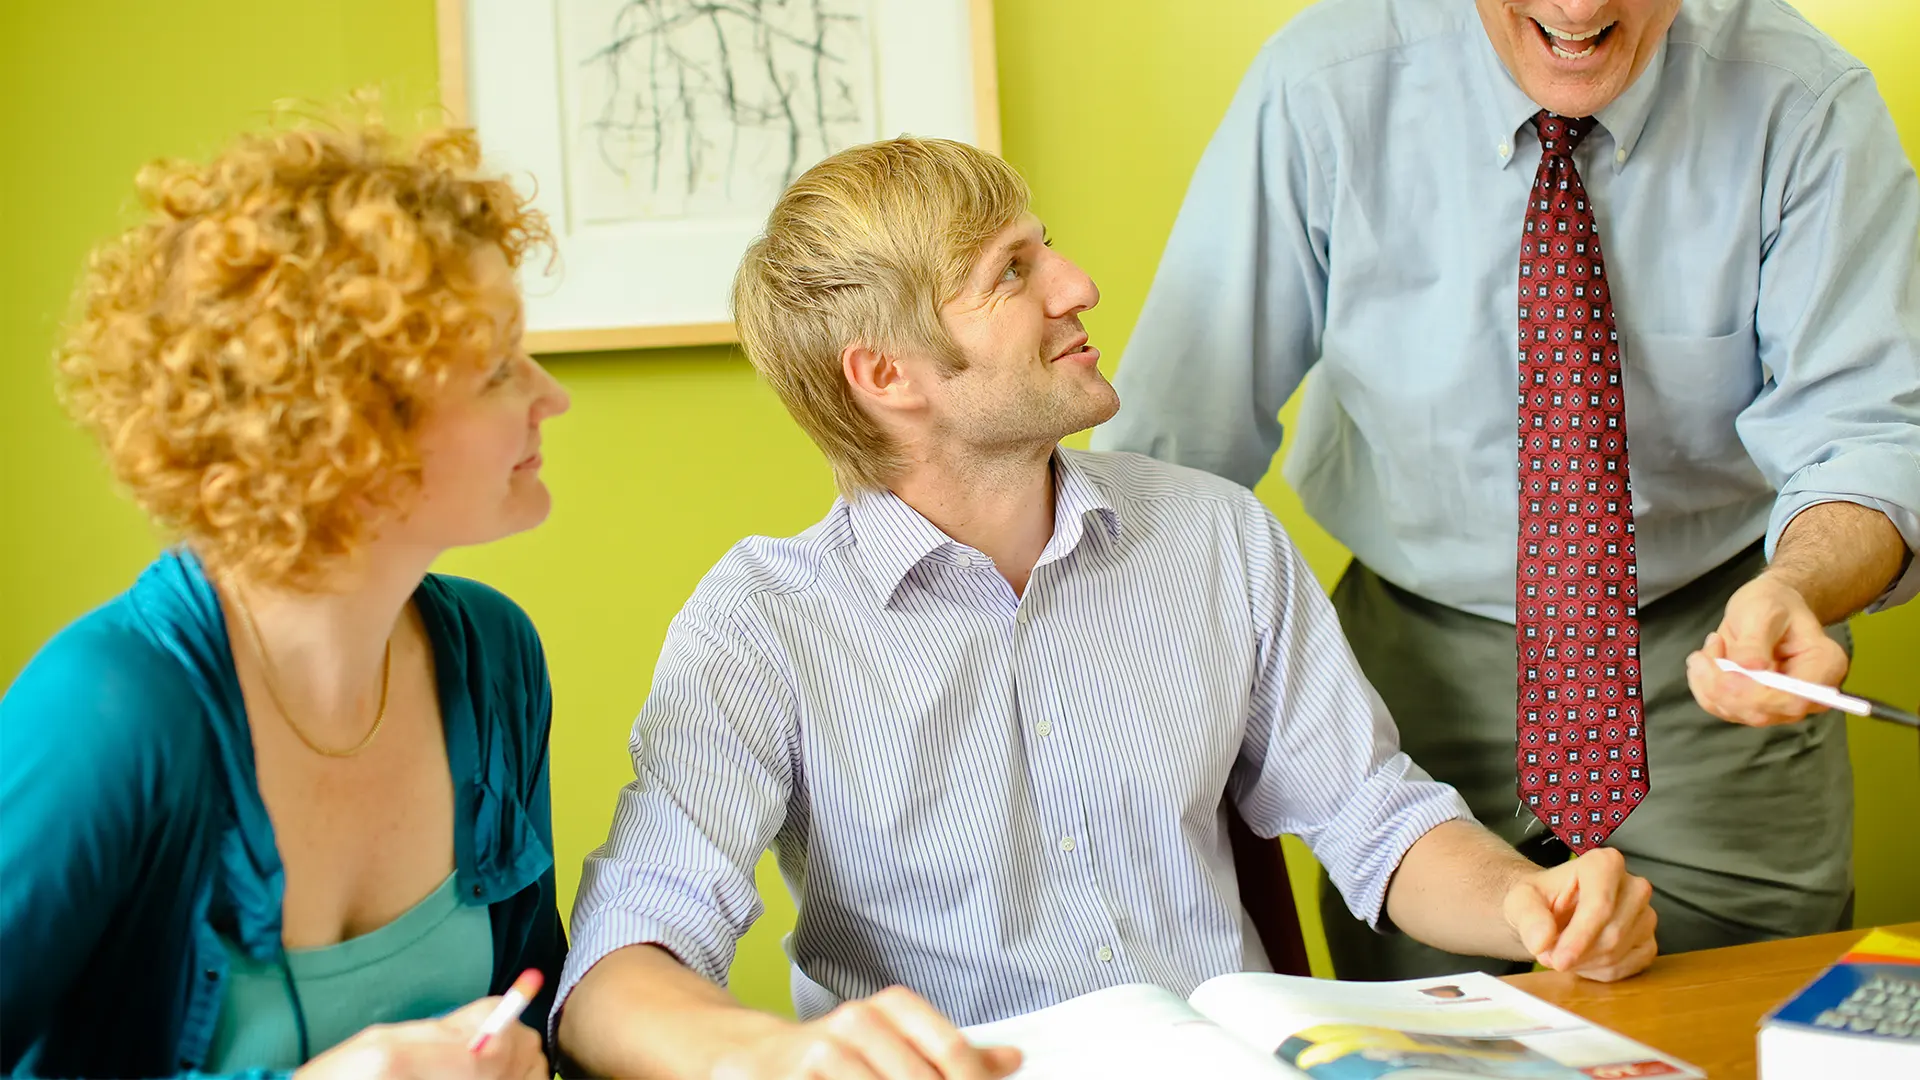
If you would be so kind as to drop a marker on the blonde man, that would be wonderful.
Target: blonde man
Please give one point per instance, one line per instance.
(989, 711)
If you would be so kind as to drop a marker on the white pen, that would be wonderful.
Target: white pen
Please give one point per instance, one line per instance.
(1829, 696)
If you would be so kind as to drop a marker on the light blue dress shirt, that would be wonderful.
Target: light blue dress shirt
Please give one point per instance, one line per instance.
(1359, 214)
(1001, 801)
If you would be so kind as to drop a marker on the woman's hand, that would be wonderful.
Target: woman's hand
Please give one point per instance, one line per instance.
(434, 1050)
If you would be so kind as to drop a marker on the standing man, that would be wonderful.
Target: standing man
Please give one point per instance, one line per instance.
(1697, 223)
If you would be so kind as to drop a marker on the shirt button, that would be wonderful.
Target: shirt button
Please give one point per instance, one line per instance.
(1104, 954)
(1504, 150)
(1620, 156)
(1021, 617)
(1044, 727)
(1066, 843)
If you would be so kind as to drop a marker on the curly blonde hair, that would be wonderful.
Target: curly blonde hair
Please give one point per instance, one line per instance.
(255, 356)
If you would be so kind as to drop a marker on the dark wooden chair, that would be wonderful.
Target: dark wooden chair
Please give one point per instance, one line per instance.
(1268, 896)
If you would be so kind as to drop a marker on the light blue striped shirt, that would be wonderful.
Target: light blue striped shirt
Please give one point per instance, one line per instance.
(1001, 801)
(1359, 213)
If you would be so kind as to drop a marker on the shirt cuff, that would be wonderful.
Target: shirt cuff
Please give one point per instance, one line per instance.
(611, 930)
(1883, 479)
(1397, 806)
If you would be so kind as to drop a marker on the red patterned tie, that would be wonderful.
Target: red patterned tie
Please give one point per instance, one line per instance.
(1582, 755)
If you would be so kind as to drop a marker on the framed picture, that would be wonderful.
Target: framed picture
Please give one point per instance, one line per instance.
(657, 134)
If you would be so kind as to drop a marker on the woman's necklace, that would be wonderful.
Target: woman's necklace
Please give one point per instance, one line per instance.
(266, 677)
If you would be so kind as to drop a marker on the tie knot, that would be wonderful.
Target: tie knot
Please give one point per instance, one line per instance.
(1560, 134)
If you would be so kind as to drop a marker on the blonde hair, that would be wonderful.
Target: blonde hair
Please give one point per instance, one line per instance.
(254, 356)
(866, 247)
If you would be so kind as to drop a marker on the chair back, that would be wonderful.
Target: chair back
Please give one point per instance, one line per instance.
(1268, 895)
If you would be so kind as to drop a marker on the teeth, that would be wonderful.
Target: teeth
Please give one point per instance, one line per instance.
(1556, 36)
(1567, 35)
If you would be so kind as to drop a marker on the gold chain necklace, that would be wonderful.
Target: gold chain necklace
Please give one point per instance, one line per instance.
(266, 678)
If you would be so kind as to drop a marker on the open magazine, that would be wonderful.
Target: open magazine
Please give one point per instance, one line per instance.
(1258, 1027)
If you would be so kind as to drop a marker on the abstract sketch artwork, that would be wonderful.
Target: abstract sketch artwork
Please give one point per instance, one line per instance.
(707, 109)
(657, 134)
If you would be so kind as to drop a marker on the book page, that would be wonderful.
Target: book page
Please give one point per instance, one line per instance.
(1470, 1025)
(1126, 1033)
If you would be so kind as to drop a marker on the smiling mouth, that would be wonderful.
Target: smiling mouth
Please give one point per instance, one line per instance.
(1569, 45)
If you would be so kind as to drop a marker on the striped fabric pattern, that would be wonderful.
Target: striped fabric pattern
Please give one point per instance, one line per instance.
(1001, 801)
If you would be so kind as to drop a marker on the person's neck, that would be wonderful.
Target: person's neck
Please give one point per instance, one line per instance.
(325, 648)
(1001, 506)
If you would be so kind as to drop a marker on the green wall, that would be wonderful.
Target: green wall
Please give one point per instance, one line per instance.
(667, 457)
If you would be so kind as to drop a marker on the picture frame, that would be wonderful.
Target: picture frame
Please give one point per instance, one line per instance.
(656, 134)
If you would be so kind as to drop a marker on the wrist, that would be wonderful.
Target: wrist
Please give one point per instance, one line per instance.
(1792, 575)
(1521, 883)
(1804, 587)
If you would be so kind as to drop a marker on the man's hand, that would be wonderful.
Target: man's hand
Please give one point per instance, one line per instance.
(1587, 916)
(1768, 627)
(893, 1035)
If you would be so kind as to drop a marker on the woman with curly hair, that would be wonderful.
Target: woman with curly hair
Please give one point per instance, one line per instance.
(283, 804)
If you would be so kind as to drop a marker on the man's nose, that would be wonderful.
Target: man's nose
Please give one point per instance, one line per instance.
(1580, 13)
(1074, 290)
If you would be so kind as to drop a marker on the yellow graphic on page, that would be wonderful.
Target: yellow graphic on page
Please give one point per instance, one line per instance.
(1365, 1052)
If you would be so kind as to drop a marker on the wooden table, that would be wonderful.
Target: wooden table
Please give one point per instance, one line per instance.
(1701, 1007)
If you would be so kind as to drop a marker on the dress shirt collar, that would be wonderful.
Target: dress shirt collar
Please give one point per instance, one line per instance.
(1507, 108)
(891, 538)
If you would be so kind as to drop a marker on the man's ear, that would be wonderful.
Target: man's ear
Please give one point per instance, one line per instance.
(878, 379)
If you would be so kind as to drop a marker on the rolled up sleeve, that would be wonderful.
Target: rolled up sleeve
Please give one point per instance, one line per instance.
(1839, 323)
(713, 752)
(1322, 758)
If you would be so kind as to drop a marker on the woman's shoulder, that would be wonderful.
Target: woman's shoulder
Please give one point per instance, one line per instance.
(483, 613)
(494, 647)
(106, 691)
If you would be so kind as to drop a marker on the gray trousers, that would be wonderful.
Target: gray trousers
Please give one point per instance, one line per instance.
(1746, 833)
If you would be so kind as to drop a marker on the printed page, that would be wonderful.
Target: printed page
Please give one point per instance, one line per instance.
(1470, 1025)
(1126, 1033)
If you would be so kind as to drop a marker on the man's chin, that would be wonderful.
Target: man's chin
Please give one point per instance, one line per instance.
(1099, 408)
(1573, 96)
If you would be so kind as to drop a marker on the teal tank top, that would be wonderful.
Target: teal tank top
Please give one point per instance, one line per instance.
(434, 958)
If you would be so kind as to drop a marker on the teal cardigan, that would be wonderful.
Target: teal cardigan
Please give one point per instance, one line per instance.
(134, 835)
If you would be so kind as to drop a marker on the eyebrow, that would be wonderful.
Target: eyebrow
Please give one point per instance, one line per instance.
(1003, 250)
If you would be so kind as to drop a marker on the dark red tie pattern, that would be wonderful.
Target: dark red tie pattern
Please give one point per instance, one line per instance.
(1582, 752)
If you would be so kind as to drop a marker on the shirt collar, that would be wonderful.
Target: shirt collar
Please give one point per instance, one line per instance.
(1626, 116)
(1504, 105)
(892, 538)
(1507, 108)
(1075, 496)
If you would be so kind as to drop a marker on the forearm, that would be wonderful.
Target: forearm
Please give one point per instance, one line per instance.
(1840, 557)
(1451, 887)
(641, 1013)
